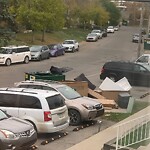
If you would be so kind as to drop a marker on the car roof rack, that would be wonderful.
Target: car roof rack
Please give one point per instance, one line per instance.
(13, 90)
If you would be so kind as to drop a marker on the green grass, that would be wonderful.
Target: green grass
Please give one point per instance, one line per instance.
(50, 37)
(116, 117)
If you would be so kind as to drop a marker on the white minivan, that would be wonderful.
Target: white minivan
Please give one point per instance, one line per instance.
(14, 54)
(46, 110)
(145, 58)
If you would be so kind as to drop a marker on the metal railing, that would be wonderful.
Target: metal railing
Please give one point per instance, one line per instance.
(133, 132)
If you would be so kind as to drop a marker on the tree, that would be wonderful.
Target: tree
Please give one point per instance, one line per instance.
(39, 15)
(6, 23)
(114, 12)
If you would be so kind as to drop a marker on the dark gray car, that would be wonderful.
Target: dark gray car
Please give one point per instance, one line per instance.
(15, 133)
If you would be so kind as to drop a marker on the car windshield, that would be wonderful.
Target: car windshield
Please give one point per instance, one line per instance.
(92, 34)
(95, 31)
(146, 66)
(68, 42)
(5, 51)
(52, 46)
(68, 92)
(35, 48)
(3, 115)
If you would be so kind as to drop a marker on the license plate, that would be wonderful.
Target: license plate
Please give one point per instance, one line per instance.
(61, 115)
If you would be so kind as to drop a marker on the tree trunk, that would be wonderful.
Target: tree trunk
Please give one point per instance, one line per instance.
(43, 35)
(32, 40)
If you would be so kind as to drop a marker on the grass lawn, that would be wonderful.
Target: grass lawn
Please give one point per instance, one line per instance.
(116, 117)
(50, 37)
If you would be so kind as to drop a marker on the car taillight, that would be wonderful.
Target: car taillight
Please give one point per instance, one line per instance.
(102, 70)
(47, 116)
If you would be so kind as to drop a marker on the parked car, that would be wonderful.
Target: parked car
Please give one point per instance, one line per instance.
(137, 74)
(80, 108)
(144, 59)
(15, 133)
(46, 110)
(14, 54)
(98, 32)
(136, 38)
(56, 49)
(39, 52)
(116, 28)
(71, 45)
(110, 29)
(92, 37)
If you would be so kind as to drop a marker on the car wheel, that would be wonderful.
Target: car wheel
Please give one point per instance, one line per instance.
(26, 60)
(75, 117)
(56, 54)
(63, 53)
(78, 48)
(73, 49)
(113, 78)
(33, 125)
(40, 58)
(8, 62)
(48, 57)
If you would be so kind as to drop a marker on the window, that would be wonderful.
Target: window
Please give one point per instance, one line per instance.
(8, 100)
(48, 88)
(29, 102)
(22, 49)
(139, 68)
(143, 59)
(55, 101)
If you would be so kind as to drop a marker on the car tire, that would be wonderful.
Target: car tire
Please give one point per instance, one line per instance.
(8, 62)
(113, 78)
(48, 57)
(26, 60)
(63, 53)
(73, 49)
(75, 117)
(32, 124)
(40, 58)
(78, 48)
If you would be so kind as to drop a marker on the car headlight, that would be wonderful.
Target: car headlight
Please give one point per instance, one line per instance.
(9, 134)
(2, 57)
(87, 106)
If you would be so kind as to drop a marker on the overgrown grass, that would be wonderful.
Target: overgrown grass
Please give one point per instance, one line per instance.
(50, 37)
(116, 117)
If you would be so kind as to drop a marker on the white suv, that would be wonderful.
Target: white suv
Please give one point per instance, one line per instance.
(14, 54)
(46, 110)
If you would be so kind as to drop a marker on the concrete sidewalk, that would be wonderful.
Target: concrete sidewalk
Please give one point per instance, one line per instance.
(97, 141)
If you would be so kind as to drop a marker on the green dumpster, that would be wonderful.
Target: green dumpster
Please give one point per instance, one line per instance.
(44, 76)
(147, 44)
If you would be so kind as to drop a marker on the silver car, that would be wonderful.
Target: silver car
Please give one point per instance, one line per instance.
(80, 108)
(92, 37)
(15, 133)
(39, 52)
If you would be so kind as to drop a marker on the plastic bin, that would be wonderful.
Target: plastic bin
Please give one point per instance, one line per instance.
(147, 44)
(123, 100)
(44, 76)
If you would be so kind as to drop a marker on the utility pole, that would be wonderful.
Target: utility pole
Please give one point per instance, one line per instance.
(148, 28)
(140, 34)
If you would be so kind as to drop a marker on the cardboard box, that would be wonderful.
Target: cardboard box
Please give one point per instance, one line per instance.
(111, 90)
(80, 86)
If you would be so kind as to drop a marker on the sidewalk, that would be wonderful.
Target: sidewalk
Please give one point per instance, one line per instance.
(97, 141)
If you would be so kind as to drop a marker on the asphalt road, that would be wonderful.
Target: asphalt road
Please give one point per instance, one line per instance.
(89, 60)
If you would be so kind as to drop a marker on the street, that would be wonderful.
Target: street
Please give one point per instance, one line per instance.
(89, 60)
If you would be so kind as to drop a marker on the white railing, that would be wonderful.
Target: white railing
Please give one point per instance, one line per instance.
(133, 132)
